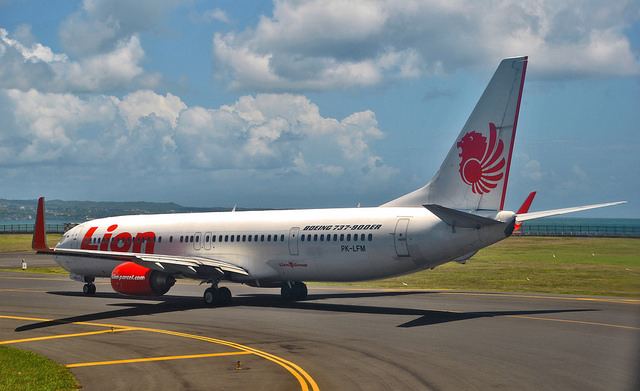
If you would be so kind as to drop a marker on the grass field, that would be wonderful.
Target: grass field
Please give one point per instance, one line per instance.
(22, 242)
(588, 266)
(25, 371)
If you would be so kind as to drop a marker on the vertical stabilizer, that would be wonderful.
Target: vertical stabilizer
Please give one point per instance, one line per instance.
(474, 174)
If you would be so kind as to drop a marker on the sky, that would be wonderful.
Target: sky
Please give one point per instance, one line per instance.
(305, 104)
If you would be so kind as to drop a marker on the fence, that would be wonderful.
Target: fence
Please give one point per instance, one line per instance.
(626, 231)
(28, 228)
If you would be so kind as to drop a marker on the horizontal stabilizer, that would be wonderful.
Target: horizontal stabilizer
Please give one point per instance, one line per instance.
(457, 218)
(554, 212)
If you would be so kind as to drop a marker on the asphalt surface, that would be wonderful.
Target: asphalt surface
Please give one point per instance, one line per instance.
(337, 339)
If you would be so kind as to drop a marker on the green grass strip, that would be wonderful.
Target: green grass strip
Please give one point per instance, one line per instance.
(21, 370)
(584, 266)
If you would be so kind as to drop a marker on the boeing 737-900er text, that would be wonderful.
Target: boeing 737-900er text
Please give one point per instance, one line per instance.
(456, 214)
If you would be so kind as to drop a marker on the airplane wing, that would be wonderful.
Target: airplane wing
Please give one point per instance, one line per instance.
(553, 212)
(192, 267)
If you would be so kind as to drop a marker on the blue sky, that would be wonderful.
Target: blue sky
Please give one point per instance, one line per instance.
(294, 104)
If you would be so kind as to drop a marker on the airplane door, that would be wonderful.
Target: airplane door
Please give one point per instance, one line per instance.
(400, 238)
(293, 240)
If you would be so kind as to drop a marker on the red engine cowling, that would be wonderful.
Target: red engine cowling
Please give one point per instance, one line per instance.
(132, 279)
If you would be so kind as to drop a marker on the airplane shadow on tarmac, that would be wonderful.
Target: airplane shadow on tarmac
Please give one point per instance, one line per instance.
(166, 304)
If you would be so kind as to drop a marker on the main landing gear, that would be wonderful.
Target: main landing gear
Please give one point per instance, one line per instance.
(294, 290)
(89, 288)
(215, 297)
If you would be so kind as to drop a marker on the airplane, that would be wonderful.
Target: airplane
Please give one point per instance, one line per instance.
(457, 213)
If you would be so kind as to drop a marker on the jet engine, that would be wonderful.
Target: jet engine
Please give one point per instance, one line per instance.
(132, 279)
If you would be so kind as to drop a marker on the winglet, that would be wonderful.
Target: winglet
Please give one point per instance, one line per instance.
(39, 242)
(524, 209)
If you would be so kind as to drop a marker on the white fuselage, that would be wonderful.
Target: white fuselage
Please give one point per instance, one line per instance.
(274, 246)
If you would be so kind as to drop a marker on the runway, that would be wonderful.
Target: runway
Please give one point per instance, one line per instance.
(337, 339)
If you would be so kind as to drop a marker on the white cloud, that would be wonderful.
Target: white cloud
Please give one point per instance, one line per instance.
(103, 24)
(37, 66)
(146, 135)
(532, 170)
(143, 103)
(319, 45)
(214, 14)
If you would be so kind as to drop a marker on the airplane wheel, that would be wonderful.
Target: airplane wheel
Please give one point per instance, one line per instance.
(225, 295)
(211, 297)
(287, 292)
(294, 290)
(89, 289)
(301, 290)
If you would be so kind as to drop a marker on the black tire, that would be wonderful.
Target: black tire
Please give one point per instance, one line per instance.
(295, 290)
(211, 297)
(225, 295)
(300, 290)
(286, 292)
(89, 289)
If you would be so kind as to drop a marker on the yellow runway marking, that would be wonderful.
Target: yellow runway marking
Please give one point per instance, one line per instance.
(22, 290)
(61, 278)
(524, 296)
(133, 360)
(63, 336)
(575, 321)
(303, 377)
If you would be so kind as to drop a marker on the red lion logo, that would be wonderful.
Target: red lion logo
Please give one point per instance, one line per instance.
(481, 164)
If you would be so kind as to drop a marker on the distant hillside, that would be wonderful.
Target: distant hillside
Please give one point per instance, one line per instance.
(84, 210)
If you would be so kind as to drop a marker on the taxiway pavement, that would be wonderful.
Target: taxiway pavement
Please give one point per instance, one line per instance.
(337, 339)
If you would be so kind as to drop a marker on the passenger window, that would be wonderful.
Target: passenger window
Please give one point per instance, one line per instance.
(315, 237)
(275, 238)
(268, 238)
(170, 239)
(355, 237)
(335, 237)
(370, 237)
(302, 238)
(232, 238)
(244, 238)
(249, 238)
(226, 238)
(262, 238)
(322, 237)
(282, 238)
(362, 237)
(342, 237)
(348, 237)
